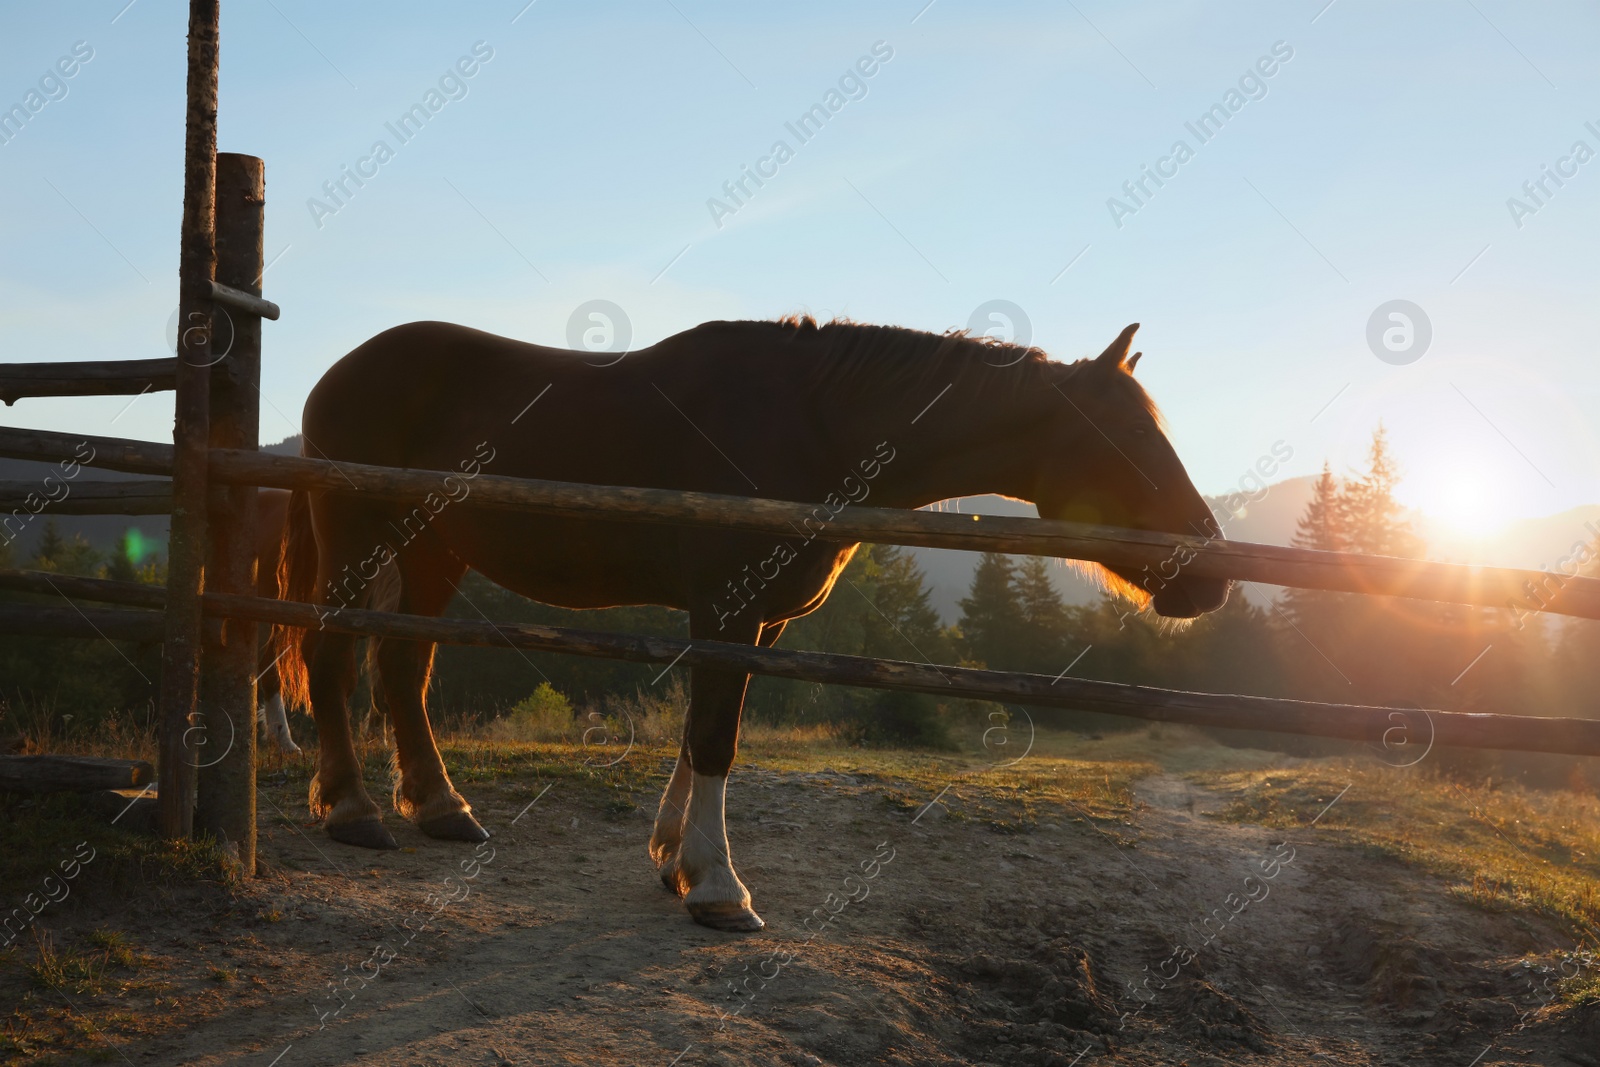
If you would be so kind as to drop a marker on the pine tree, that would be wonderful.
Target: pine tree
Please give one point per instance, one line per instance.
(1044, 616)
(1322, 527)
(1374, 521)
(1346, 639)
(57, 553)
(904, 613)
(52, 546)
(120, 565)
(991, 613)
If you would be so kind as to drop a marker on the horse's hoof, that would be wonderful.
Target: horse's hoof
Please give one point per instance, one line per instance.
(726, 915)
(671, 880)
(454, 826)
(367, 833)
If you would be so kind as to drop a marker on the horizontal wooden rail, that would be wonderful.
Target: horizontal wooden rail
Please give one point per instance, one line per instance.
(114, 624)
(106, 377)
(1495, 587)
(144, 496)
(104, 590)
(1405, 732)
(239, 300)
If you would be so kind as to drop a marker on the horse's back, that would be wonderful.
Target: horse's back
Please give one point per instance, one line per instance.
(426, 395)
(708, 410)
(403, 380)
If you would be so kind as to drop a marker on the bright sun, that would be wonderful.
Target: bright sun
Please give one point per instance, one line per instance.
(1463, 502)
(1467, 485)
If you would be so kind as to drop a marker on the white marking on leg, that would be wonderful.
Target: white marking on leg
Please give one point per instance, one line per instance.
(668, 832)
(277, 721)
(703, 857)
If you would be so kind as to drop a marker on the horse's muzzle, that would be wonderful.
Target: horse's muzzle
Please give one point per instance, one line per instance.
(1187, 598)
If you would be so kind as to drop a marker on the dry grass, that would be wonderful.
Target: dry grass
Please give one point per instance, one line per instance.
(1502, 846)
(1498, 847)
(119, 737)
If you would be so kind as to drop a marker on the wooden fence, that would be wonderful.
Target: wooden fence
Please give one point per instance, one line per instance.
(207, 479)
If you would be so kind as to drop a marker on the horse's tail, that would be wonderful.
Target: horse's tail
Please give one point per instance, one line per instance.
(297, 580)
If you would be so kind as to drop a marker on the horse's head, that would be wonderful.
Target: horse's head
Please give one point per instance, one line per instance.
(1109, 462)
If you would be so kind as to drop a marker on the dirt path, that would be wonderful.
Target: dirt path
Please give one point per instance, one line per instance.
(952, 943)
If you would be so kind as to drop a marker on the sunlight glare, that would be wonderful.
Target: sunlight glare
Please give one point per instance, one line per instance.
(1462, 501)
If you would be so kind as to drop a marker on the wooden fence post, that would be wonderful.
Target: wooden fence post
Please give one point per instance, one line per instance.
(225, 804)
(180, 653)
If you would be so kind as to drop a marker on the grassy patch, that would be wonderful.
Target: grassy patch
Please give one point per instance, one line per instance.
(57, 848)
(1502, 847)
(115, 945)
(67, 969)
(1581, 989)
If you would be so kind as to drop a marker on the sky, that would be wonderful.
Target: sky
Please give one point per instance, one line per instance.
(984, 159)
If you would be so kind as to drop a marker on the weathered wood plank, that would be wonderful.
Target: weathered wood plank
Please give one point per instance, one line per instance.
(106, 453)
(225, 798)
(1392, 726)
(1398, 729)
(72, 774)
(106, 590)
(245, 303)
(186, 546)
(1269, 564)
(1496, 587)
(145, 496)
(107, 377)
(34, 620)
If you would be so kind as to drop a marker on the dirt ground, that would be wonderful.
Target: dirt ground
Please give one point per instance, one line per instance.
(907, 924)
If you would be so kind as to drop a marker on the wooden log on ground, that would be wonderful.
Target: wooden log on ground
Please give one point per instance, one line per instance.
(1494, 587)
(72, 774)
(110, 377)
(144, 496)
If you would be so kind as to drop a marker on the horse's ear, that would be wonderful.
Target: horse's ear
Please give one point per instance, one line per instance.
(1133, 361)
(1116, 353)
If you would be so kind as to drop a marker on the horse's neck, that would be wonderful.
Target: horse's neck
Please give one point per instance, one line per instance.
(981, 445)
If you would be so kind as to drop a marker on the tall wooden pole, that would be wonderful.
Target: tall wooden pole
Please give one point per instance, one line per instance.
(225, 804)
(180, 655)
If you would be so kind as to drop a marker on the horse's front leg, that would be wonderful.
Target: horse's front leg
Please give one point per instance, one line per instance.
(690, 843)
(667, 836)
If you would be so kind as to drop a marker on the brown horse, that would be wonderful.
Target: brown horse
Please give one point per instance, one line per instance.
(789, 410)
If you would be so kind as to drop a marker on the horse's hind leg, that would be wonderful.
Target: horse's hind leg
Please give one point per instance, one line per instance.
(423, 792)
(270, 713)
(275, 720)
(347, 538)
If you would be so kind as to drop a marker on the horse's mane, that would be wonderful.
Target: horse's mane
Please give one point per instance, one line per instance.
(845, 354)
